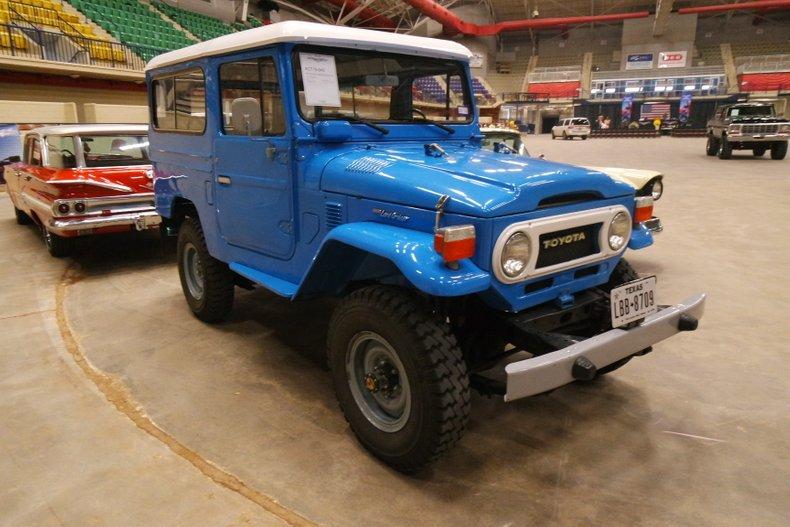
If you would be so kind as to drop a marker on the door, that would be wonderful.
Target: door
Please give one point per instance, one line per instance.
(252, 166)
(24, 172)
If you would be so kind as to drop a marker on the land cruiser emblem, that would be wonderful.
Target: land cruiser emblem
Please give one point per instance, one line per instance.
(563, 240)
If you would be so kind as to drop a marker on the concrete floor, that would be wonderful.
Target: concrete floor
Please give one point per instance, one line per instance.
(173, 422)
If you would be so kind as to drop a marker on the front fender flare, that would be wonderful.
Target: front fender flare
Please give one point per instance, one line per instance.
(410, 251)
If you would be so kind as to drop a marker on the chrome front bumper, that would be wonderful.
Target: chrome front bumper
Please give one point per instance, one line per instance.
(653, 225)
(140, 220)
(552, 370)
(758, 138)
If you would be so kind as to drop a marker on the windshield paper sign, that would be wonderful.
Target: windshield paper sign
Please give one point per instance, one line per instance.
(319, 77)
(639, 61)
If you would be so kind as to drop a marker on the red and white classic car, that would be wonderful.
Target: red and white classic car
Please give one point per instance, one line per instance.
(77, 180)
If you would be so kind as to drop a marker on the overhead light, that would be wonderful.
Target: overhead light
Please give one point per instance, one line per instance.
(609, 90)
(595, 90)
(632, 89)
(705, 87)
(690, 87)
(659, 88)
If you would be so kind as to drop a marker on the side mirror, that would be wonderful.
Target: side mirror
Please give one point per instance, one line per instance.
(245, 115)
(333, 131)
(13, 159)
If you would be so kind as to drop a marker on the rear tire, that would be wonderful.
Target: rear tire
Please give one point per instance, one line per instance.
(553, 137)
(564, 136)
(399, 376)
(712, 148)
(779, 150)
(584, 137)
(58, 246)
(207, 282)
(21, 217)
(725, 148)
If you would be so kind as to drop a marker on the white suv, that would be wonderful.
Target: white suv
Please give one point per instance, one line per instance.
(571, 127)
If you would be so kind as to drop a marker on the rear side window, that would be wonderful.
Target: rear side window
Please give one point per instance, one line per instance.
(251, 98)
(581, 121)
(60, 151)
(180, 102)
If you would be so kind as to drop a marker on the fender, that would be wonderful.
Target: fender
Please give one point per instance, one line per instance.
(411, 252)
(641, 237)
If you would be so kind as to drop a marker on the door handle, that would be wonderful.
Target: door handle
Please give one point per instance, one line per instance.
(223, 180)
(270, 151)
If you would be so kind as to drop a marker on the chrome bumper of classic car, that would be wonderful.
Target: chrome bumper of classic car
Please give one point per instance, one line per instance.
(758, 138)
(653, 225)
(552, 370)
(140, 220)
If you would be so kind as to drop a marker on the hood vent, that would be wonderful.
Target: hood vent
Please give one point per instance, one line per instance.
(334, 214)
(561, 200)
(368, 165)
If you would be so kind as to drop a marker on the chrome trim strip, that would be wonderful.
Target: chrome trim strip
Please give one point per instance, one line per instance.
(141, 221)
(534, 228)
(552, 370)
(111, 186)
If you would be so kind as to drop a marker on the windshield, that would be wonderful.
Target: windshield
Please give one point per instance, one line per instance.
(580, 121)
(383, 87)
(751, 110)
(115, 150)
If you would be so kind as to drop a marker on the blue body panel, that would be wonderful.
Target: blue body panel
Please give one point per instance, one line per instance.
(296, 199)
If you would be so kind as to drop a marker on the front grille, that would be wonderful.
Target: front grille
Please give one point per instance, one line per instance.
(568, 244)
(759, 128)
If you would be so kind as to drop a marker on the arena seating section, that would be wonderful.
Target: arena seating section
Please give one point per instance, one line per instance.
(202, 26)
(134, 24)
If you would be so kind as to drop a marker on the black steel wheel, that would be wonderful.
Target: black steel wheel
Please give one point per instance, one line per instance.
(58, 246)
(712, 147)
(779, 150)
(207, 283)
(725, 148)
(399, 376)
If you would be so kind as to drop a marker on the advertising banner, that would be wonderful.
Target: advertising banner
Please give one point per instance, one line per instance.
(685, 108)
(672, 59)
(626, 109)
(639, 61)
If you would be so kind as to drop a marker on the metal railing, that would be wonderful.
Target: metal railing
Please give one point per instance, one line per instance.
(524, 97)
(657, 73)
(763, 64)
(23, 39)
(556, 74)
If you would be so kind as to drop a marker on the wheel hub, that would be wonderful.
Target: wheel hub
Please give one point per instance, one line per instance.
(383, 379)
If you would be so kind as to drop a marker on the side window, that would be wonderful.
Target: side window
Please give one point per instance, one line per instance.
(60, 152)
(251, 99)
(180, 102)
(34, 157)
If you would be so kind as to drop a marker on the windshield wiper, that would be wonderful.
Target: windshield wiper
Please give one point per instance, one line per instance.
(435, 123)
(353, 119)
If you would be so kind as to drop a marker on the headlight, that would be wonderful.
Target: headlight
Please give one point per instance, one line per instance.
(784, 129)
(658, 189)
(619, 229)
(515, 255)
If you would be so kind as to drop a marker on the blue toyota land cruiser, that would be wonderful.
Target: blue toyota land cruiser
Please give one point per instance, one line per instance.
(317, 160)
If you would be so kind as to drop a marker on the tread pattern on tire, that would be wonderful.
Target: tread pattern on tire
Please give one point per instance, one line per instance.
(779, 151)
(442, 360)
(217, 276)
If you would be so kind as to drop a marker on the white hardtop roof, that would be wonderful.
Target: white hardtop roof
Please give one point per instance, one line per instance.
(499, 130)
(77, 129)
(313, 33)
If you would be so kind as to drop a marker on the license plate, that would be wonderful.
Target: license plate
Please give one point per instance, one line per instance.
(633, 301)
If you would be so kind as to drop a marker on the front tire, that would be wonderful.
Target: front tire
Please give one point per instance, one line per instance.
(58, 246)
(399, 376)
(207, 282)
(21, 217)
(725, 148)
(564, 136)
(712, 148)
(779, 150)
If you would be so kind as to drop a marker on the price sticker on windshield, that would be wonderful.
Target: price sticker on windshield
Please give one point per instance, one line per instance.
(633, 301)
(319, 77)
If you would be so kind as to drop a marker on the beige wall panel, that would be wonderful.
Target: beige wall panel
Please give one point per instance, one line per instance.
(79, 96)
(115, 113)
(37, 112)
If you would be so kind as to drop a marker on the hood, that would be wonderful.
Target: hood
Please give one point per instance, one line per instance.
(636, 177)
(479, 182)
(124, 180)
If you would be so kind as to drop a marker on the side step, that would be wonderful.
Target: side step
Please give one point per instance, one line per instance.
(272, 283)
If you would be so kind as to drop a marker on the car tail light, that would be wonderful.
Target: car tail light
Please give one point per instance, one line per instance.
(63, 208)
(455, 243)
(643, 210)
(79, 207)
